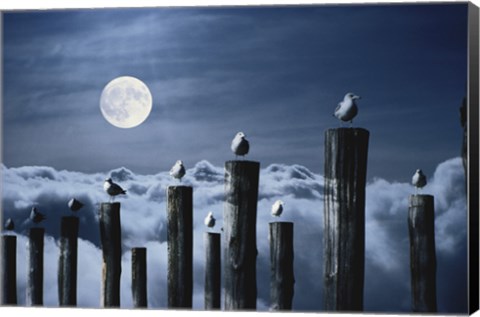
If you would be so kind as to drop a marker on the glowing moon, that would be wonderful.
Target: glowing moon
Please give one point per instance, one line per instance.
(126, 102)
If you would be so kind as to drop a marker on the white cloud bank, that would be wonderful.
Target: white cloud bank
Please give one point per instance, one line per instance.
(143, 216)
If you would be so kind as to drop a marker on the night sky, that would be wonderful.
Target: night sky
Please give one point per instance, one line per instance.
(276, 73)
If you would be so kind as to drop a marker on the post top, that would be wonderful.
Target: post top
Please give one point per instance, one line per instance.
(346, 130)
(70, 218)
(421, 196)
(179, 187)
(111, 204)
(208, 233)
(137, 249)
(418, 200)
(9, 236)
(241, 162)
(281, 223)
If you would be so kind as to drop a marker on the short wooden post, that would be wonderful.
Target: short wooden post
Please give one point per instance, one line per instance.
(9, 270)
(110, 235)
(212, 270)
(240, 236)
(67, 262)
(346, 152)
(282, 278)
(35, 267)
(139, 277)
(180, 246)
(421, 227)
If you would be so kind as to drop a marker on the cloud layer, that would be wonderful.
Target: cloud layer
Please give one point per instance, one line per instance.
(143, 216)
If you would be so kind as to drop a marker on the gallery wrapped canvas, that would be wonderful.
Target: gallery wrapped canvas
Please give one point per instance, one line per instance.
(300, 158)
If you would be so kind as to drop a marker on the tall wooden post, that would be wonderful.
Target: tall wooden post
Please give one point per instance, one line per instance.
(110, 234)
(421, 227)
(9, 270)
(240, 236)
(346, 152)
(212, 270)
(67, 263)
(282, 278)
(139, 277)
(35, 267)
(180, 246)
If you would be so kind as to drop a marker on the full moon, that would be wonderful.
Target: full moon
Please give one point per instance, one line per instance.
(126, 102)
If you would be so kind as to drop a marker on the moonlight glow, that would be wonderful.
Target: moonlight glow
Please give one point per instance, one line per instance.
(126, 102)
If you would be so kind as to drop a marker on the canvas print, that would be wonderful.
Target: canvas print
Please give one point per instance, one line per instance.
(306, 158)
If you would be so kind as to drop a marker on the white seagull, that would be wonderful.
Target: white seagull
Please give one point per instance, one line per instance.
(178, 170)
(240, 145)
(9, 224)
(74, 204)
(419, 180)
(112, 189)
(277, 208)
(209, 220)
(347, 109)
(36, 216)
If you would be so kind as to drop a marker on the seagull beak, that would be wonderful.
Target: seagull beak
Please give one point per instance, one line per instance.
(357, 97)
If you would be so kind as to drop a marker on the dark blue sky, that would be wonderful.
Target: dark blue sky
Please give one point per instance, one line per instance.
(275, 73)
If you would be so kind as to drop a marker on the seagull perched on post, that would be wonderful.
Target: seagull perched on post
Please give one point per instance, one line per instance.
(74, 204)
(347, 109)
(112, 189)
(209, 220)
(36, 216)
(419, 180)
(178, 170)
(277, 208)
(240, 145)
(9, 224)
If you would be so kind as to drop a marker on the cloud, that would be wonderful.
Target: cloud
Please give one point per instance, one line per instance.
(143, 216)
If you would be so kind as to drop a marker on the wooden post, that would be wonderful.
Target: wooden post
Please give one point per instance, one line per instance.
(110, 234)
(180, 246)
(139, 277)
(35, 267)
(282, 278)
(9, 270)
(346, 152)
(421, 227)
(67, 263)
(212, 270)
(240, 235)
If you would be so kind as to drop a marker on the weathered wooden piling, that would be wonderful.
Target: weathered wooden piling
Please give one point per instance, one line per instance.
(67, 262)
(139, 277)
(212, 270)
(180, 246)
(240, 238)
(35, 267)
(282, 278)
(421, 227)
(346, 152)
(110, 235)
(9, 270)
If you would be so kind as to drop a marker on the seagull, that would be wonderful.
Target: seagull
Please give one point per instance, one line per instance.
(419, 180)
(36, 216)
(277, 208)
(240, 145)
(9, 224)
(112, 189)
(74, 204)
(209, 220)
(347, 109)
(178, 170)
